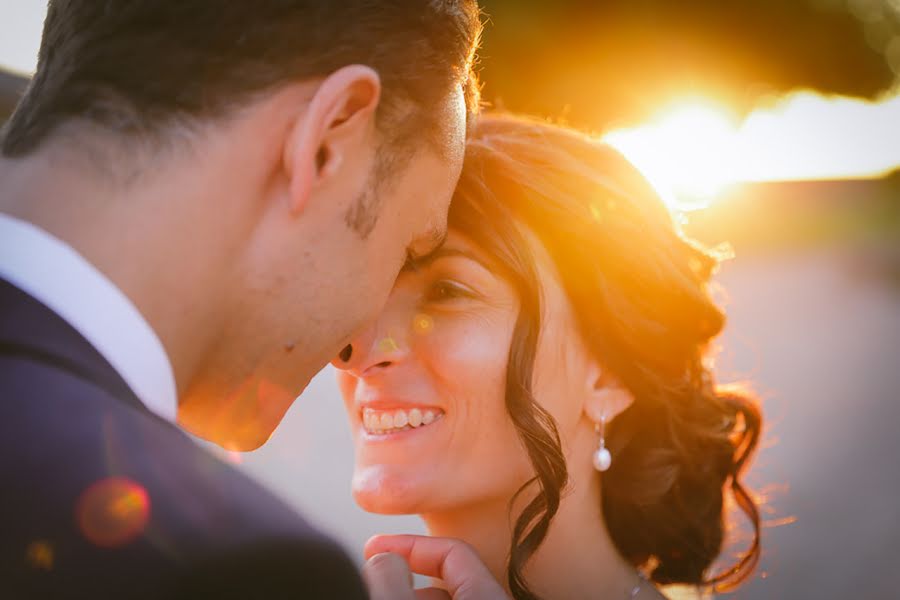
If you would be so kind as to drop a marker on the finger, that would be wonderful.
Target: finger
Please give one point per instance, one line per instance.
(453, 561)
(432, 593)
(388, 577)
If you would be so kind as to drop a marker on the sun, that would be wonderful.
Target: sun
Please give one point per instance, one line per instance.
(686, 152)
(695, 149)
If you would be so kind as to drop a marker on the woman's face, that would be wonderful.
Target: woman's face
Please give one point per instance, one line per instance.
(425, 386)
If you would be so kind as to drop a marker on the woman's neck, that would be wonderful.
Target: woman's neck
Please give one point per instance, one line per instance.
(486, 527)
(577, 559)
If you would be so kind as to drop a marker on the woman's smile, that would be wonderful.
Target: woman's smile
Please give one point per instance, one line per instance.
(381, 423)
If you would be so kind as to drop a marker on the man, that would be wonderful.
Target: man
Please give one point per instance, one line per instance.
(200, 203)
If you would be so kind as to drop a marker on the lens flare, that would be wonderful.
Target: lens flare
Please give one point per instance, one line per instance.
(423, 324)
(113, 511)
(387, 344)
(39, 555)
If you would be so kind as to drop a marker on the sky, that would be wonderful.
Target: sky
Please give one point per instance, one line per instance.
(20, 33)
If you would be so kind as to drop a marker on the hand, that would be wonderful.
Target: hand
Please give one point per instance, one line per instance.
(390, 558)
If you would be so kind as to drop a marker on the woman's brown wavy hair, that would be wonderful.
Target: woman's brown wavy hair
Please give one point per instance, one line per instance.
(640, 293)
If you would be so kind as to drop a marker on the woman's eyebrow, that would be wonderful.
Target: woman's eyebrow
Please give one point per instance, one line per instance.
(426, 261)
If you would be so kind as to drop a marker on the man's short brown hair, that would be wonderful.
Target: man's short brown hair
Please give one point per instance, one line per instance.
(135, 67)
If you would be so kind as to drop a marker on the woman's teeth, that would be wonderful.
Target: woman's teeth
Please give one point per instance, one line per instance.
(387, 421)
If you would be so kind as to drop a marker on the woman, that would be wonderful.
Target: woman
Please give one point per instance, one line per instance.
(537, 387)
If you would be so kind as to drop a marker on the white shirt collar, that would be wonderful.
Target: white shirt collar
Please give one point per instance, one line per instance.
(55, 274)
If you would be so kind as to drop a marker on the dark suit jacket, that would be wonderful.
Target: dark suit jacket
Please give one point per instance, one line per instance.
(67, 422)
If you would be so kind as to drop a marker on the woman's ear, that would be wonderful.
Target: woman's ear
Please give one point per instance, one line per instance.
(340, 119)
(607, 397)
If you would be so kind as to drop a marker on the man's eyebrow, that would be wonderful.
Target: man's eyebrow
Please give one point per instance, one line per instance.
(438, 237)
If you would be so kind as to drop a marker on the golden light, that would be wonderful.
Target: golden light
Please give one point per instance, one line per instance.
(695, 149)
(112, 512)
(685, 152)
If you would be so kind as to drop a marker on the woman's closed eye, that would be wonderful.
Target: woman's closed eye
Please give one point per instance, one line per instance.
(445, 290)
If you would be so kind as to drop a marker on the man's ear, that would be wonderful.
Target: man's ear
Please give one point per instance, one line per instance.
(607, 397)
(340, 115)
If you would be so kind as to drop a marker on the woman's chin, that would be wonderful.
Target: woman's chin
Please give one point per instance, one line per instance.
(378, 490)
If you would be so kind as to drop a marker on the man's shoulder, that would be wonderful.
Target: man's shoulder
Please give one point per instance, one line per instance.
(114, 494)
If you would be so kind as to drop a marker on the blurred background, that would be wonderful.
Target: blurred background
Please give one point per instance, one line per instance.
(772, 126)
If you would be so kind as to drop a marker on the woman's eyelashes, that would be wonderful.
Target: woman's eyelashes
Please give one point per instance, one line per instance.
(443, 291)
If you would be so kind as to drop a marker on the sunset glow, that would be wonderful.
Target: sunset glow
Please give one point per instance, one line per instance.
(694, 149)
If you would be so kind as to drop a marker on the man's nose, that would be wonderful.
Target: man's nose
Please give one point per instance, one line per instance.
(378, 347)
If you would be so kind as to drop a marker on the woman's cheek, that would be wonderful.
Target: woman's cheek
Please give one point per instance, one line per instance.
(467, 358)
(469, 362)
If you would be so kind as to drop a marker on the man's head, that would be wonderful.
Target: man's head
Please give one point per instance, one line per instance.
(286, 155)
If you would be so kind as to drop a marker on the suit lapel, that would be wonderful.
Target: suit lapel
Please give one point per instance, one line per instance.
(31, 331)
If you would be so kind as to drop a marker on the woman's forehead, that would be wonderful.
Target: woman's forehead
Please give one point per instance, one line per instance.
(549, 279)
(458, 240)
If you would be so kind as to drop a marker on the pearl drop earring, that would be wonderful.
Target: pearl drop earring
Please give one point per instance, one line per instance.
(602, 457)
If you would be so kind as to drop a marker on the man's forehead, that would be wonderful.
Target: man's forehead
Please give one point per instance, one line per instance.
(457, 125)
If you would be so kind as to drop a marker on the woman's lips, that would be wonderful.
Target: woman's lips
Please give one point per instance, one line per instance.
(389, 421)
